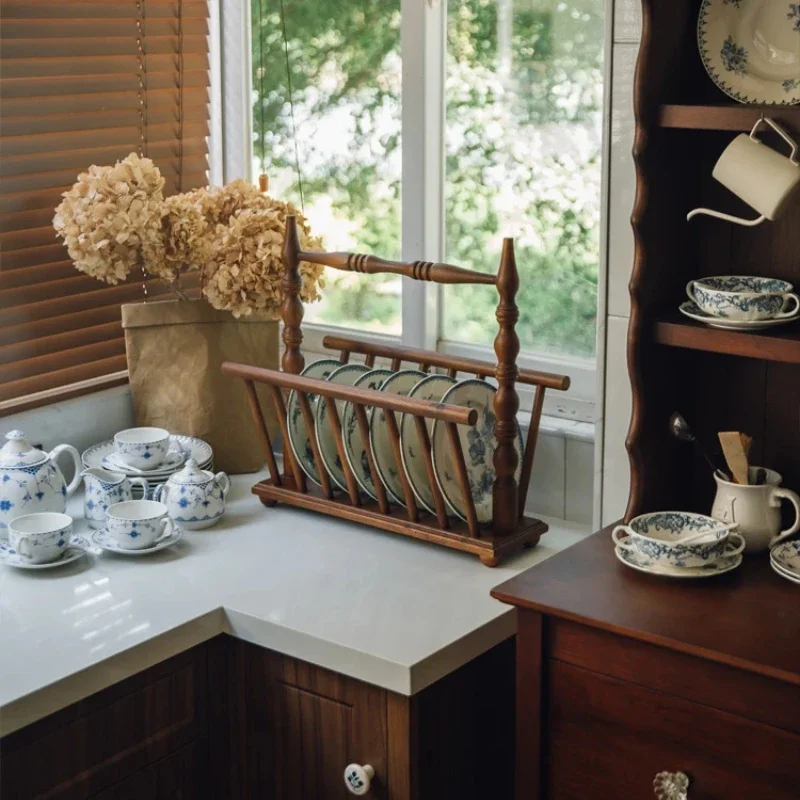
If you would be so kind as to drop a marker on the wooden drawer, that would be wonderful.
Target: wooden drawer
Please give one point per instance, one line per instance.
(607, 739)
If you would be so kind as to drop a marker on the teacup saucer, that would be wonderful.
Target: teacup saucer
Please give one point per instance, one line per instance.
(786, 558)
(105, 541)
(14, 559)
(719, 567)
(784, 573)
(693, 311)
(173, 460)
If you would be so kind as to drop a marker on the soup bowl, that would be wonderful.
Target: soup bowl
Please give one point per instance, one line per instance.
(744, 297)
(662, 537)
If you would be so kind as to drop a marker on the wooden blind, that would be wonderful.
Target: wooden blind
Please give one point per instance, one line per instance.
(85, 83)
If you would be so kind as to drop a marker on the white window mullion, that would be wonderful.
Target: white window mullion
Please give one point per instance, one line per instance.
(423, 51)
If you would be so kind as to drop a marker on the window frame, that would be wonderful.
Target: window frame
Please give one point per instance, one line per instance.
(423, 30)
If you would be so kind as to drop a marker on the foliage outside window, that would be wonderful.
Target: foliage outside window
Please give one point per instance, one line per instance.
(523, 95)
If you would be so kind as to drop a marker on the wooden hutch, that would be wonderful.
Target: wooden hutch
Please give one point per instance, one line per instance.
(621, 676)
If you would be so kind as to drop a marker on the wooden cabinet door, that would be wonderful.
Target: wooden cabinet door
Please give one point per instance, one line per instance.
(298, 726)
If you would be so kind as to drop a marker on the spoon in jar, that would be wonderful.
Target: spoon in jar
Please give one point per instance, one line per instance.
(681, 430)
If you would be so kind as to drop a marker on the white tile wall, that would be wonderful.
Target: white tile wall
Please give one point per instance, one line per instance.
(579, 497)
(622, 180)
(616, 469)
(627, 20)
(547, 493)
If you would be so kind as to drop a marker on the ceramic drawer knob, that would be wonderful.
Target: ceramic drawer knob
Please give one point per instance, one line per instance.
(671, 786)
(357, 779)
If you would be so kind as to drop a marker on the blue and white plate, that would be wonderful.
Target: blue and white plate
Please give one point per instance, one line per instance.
(477, 443)
(105, 541)
(354, 448)
(693, 311)
(298, 436)
(785, 558)
(641, 563)
(380, 442)
(12, 558)
(346, 375)
(751, 49)
(431, 388)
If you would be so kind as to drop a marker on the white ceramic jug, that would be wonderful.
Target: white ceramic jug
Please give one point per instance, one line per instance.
(30, 480)
(756, 509)
(104, 488)
(759, 175)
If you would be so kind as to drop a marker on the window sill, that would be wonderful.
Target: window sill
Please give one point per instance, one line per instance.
(33, 401)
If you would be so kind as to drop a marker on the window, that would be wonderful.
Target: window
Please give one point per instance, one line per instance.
(498, 104)
(333, 145)
(85, 83)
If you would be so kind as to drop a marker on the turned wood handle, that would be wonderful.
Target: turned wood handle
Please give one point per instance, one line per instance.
(417, 270)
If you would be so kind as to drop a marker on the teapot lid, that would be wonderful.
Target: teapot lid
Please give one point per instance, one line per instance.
(17, 452)
(191, 474)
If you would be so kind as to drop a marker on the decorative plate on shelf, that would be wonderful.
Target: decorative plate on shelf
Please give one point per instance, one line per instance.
(385, 463)
(431, 388)
(751, 49)
(346, 376)
(693, 311)
(478, 444)
(354, 447)
(298, 437)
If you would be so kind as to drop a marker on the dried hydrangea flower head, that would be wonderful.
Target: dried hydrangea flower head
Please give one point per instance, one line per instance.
(244, 271)
(111, 217)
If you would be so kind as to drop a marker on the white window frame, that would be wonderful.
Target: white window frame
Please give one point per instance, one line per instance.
(423, 31)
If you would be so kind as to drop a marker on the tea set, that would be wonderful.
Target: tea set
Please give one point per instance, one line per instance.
(34, 494)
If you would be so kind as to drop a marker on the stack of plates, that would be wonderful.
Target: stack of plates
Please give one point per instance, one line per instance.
(181, 448)
(785, 560)
(477, 442)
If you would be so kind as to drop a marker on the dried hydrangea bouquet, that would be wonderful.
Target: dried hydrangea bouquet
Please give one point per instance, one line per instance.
(116, 222)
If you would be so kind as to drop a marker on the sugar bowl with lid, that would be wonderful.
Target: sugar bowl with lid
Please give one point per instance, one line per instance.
(195, 498)
(30, 479)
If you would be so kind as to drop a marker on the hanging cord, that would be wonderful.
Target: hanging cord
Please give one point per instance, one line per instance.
(180, 66)
(291, 109)
(262, 180)
(141, 75)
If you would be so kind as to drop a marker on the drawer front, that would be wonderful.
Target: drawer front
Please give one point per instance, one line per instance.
(608, 739)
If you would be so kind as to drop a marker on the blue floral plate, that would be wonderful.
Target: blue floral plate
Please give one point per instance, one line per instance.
(751, 49)
(477, 444)
(643, 564)
(693, 311)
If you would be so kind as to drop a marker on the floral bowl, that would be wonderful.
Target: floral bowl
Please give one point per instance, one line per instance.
(660, 537)
(744, 297)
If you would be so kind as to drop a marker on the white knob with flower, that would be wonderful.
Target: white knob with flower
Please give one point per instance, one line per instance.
(195, 498)
(358, 779)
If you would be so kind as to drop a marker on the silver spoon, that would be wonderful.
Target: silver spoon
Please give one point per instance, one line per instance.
(682, 431)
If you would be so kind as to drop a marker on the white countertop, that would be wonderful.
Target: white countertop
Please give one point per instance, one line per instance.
(373, 605)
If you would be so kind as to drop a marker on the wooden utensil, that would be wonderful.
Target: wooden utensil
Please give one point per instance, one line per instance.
(735, 446)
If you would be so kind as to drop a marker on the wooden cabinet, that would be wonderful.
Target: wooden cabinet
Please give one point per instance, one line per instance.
(229, 720)
(299, 726)
(621, 676)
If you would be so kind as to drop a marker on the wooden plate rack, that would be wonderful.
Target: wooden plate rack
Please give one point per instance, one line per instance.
(510, 527)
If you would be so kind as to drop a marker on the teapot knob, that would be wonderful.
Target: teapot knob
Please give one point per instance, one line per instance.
(15, 436)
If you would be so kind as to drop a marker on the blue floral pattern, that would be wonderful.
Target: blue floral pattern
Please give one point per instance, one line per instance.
(25, 490)
(734, 57)
(194, 498)
(741, 297)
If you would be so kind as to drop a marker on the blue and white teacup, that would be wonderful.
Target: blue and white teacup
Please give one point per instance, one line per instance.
(138, 524)
(662, 538)
(142, 448)
(42, 537)
(744, 297)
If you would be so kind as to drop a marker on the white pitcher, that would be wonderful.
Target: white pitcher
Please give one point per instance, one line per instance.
(756, 509)
(757, 174)
(103, 488)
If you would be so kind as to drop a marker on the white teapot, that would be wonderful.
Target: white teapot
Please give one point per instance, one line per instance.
(195, 498)
(30, 480)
